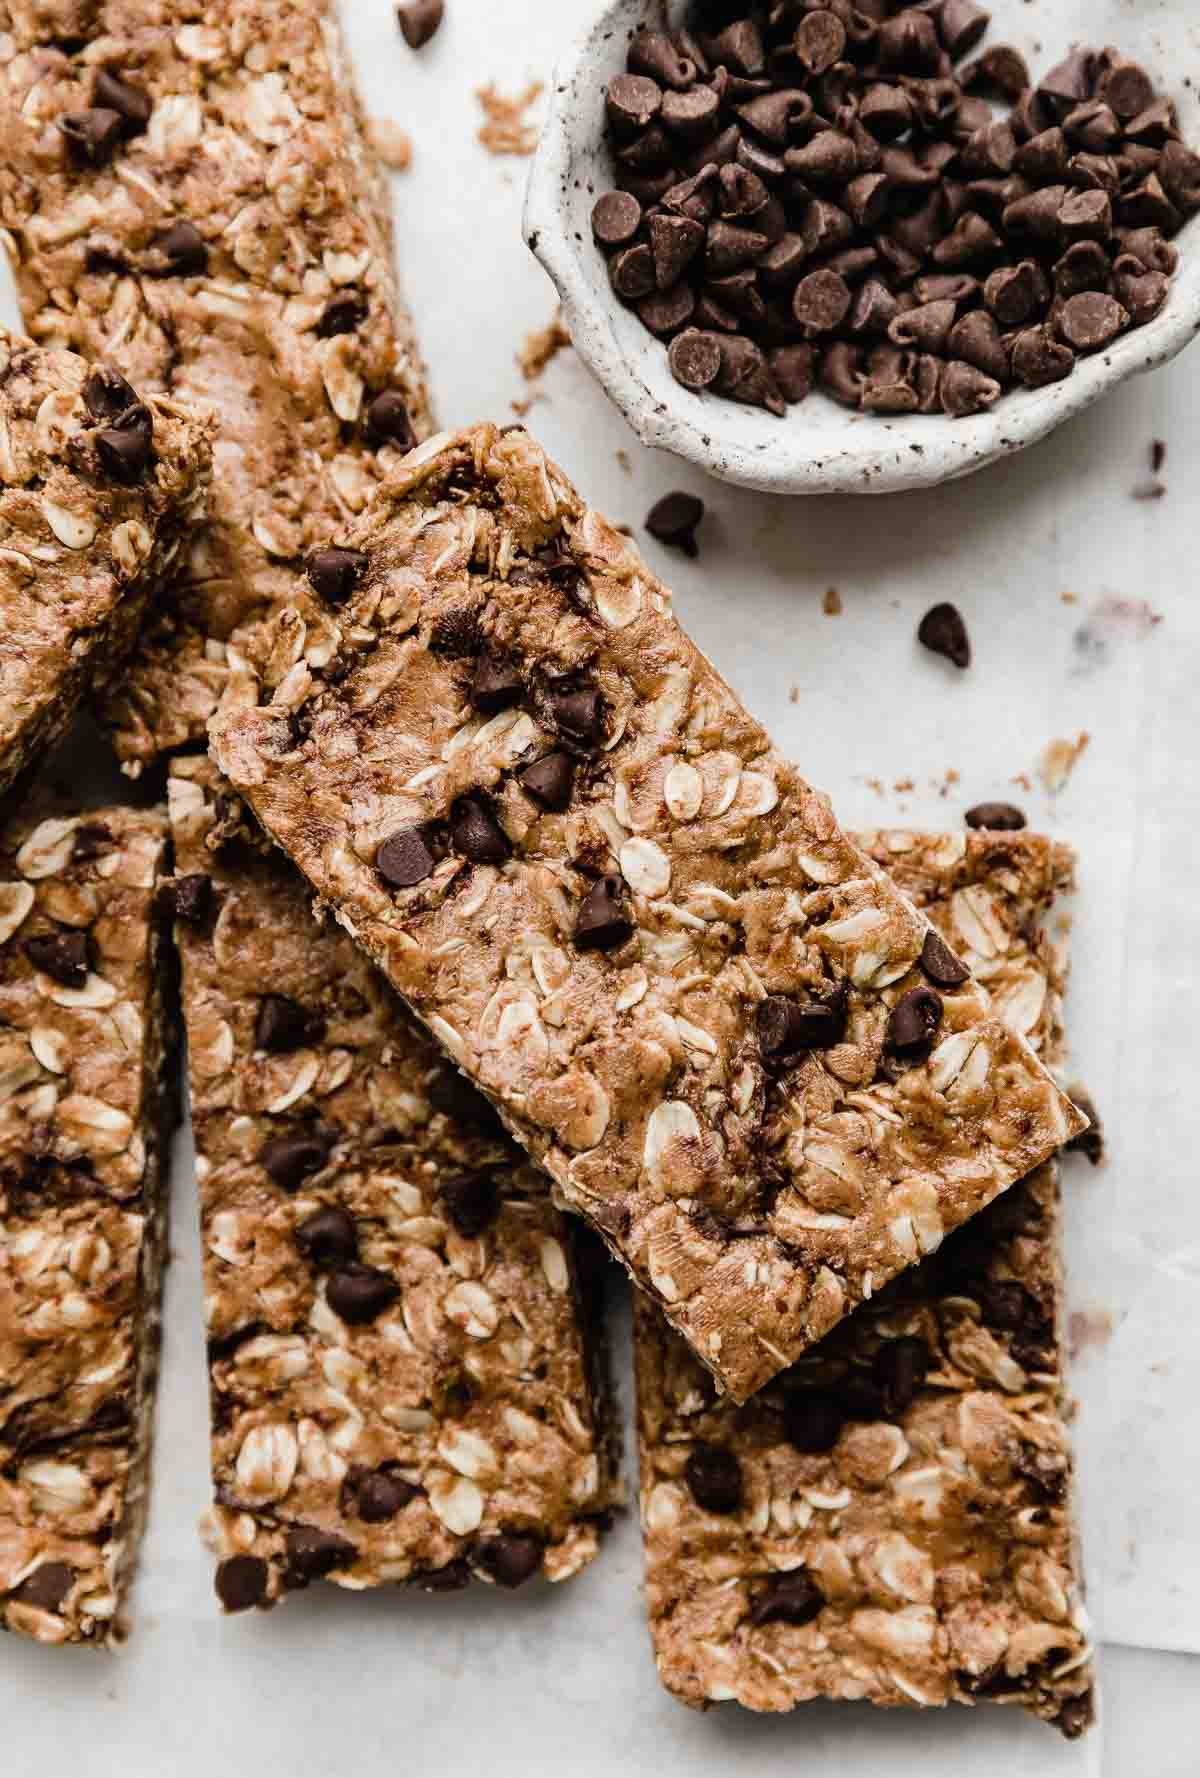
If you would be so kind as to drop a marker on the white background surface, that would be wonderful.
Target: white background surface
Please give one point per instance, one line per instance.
(552, 1680)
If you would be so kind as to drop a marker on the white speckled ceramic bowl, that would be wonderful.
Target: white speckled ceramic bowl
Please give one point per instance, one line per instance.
(821, 447)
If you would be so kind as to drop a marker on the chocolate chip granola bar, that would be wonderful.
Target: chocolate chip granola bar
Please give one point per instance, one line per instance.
(189, 189)
(735, 1047)
(891, 1520)
(96, 489)
(86, 1045)
(405, 1379)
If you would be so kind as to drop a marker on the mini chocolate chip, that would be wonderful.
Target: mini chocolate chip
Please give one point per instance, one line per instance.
(496, 684)
(376, 1495)
(510, 1559)
(179, 252)
(899, 1369)
(792, 1598)
(112, 92)
(915, 1017)
(786, 1026)
(616, 218)
(126, 448)
(343, 313)
(631, 271)
(603, 921)
(1076, 1715)
(940, 964)
(313, 1553)
(812, 1420)
(63, 956)
(405, 859)
(821, 301)
(964, 389)
(674, 242)
(1091, 320)
(241, 1582)
(471, 1202)
(418, 20)
(714, 1476)
(46, 1588)
(999, 817)
(579, 715)
(475, 831)
(91, 136)
(284, 1025)
(943, 631)
(820, 40)
(388, 422)
(327, 1238)
(691, 116)
(961, 23)
(1039, 359)
(92, 840)
(333, 574)
(450, 1579)
(289, 1160)
(793, 368)
(359, 1294)
(674, 519)
(455, 1097)
(1089, 1142)
(107, 395)
(550, 781)
(1006, 1306)
(632, 102)
(192, 898)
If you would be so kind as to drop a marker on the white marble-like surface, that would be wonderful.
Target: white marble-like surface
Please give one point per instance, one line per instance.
(367, 1686)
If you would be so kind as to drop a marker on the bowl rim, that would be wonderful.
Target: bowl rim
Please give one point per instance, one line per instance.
(895, 453)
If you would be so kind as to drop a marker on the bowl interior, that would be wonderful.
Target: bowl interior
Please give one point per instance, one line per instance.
(820, 446)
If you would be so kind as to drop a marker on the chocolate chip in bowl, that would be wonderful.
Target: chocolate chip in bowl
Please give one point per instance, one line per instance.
(814, 247)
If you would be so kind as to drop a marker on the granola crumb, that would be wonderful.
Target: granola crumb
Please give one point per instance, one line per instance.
(831, 604)
(1088, 1327)
(794, 695)
(902, 785)
(1023, 781)
(877, 785)
(1069, 598)
(505, 128)
(1059, 759)
(1150, 490)
(392, 144)
(624, 462)
(542, 346)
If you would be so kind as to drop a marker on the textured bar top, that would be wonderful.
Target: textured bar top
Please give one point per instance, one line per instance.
(85, 1107)
(187, 189)
(892, 1518)
(732, 1043)
(406, 1377)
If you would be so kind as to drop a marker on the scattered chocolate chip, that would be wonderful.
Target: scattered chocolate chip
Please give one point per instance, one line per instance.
(603, 920)
(405, 859)
(914, 1019)
(943, 631)
(616, 218)
(674, 520)
(92, 840)
(1089, 1142)
(112, 92)
(476, 832)
(940, 964)
(787, 1027)
(899, 1369)
(289, 1160)
(714, 1476)
(419, 20)
(192, 899)
(360, 1294)
(313, 1553)
(126, 448)
(510, 1559)
(579, 715)
(496, 685)
(813, 1420)
(241, 1582)
(107, 395)
(1076, 1715)
(333, 574)
(999, 817)
(179, 252)
(327, 1238)
(91, 136)
(549, 781)
(376, 1495)
(343, 313)
(63, 956)
(791, 1598)
(284, 1025)
(388, 422)
(46, 1588)
(471, 1203)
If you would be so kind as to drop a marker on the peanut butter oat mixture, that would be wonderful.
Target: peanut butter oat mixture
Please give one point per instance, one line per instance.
(187, 191)
(405, 1374)
(732, 1043)
(86, 1049)
(892, 1519)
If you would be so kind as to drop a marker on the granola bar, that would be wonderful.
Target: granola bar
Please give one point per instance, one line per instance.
(96, 488)
(891, 1520)
(404, 1376)
(719, 1027)
(86, 1104)
(189, 188)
